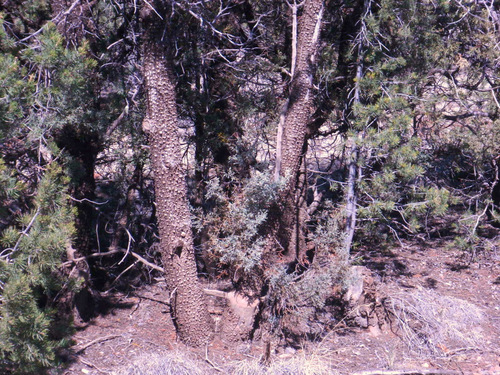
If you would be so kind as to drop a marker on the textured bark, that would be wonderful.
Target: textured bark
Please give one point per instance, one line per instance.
(495, 192)
(189, 311)
(301, 98)
(298, 110)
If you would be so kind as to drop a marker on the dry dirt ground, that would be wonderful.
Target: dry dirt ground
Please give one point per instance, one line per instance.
(138, 325)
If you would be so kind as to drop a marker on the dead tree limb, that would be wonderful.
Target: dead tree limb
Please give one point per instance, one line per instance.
(111, 252)
(96, 341)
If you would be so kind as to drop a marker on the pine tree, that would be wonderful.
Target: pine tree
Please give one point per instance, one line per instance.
(190, 313)
(31, 282)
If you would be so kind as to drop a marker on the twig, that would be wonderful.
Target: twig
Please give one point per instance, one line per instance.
(87, 200)
(55, 20)
(85, 362)
(119, 119)
(96, 341)
(94, 255)
(149, 264)
(115, 251)
(23, 233)
(130, 239)
(135, 309)
(215, 293)
(125, 270)
(210, 362)
(154, 300)
(154, 10)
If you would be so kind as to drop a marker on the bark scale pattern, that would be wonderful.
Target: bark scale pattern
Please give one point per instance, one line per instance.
(301, 98)
(297, 117)
(189, 311)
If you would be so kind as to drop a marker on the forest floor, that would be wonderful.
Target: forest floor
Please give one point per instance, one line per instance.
(136, 327)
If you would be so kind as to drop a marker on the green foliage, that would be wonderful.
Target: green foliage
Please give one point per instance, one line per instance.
(10, 187)
(30, 279)
(44, 85)
(422, 117)
(426, 120)
(332, 259)
(24, 327)
(62, 99)
(235, 228)
(298, 298)
(398, 48)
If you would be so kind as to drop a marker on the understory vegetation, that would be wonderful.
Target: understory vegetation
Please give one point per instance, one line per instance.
(303, 134)
(180, 364)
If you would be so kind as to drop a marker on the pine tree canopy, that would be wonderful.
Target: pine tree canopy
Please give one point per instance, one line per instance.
(256, 142)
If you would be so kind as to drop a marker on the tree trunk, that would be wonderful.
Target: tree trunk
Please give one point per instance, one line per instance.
(354, 170)
(189, 311)
(292, 140)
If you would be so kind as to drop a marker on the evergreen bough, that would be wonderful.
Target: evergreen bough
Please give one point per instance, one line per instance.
(31, 283)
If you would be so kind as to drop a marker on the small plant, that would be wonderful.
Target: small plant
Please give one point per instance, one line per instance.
(298, 298)
(469, 241)
(236, 227)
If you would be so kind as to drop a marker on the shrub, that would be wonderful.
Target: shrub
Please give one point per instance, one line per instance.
(30, 280)
(235, 228)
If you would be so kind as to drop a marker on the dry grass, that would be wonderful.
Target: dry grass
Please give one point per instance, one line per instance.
(176, 363)
(167, 363)
(301, 364)
(437, 324)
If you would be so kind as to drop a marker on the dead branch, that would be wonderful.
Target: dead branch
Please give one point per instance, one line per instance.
(117, 121)
(23, 233)
(96, 341)
(93, 255)
(216, 293)
(144, 261)
(210, 362)
(111, 252)
(124, 271)
(167, 303)
(55, 20)
(87, 363)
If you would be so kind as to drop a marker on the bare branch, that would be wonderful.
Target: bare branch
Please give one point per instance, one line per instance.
(23, 233)
(56, 19)
(154, 10)
(112, 252)
(96, 341)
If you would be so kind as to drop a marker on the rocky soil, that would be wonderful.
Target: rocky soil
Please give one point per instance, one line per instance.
(425, 308)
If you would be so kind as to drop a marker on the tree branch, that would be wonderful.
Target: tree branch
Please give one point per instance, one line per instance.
(96, 341)
(55, 20)
(469, 114)
(115, 251)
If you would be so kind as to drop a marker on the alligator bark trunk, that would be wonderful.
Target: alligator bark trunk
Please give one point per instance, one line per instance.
(188, 306)
(292, 140)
